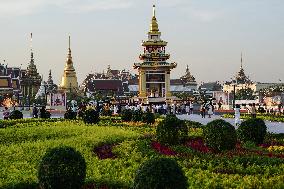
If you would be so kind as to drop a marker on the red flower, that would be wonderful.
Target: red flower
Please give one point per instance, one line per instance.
(162, 149)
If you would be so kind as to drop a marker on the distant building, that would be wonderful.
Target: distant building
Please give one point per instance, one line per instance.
(185, 84)
(242, 81)
(210, 86)
(47, 87)
(30, 78)
(10, 79)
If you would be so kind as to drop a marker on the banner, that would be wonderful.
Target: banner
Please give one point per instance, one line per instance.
(56, 99)
(221, 97)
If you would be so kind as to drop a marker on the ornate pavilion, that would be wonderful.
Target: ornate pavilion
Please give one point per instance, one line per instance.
(154, 71)
(30, 80)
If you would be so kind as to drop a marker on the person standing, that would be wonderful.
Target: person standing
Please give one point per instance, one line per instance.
(43, 112)
(6, 113)
(202, 110)
(35, 112)
(190, 107)
(279, 108)
(187, 108)
(253, 111)
(210, 110)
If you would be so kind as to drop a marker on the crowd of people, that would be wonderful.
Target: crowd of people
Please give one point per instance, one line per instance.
(179, 108)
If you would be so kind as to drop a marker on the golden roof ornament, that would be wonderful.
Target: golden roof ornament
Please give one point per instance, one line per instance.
(154, 27)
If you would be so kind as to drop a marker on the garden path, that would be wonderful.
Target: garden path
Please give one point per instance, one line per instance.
(274, 127)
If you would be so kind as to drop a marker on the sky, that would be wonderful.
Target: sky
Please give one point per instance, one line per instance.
(207, 35)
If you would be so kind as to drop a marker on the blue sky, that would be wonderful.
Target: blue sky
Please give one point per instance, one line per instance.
(207, 35)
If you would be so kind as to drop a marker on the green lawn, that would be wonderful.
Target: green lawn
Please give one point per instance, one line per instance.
(23, 145)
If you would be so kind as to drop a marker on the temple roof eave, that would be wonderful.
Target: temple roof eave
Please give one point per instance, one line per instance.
(154, 65)
(154, 43)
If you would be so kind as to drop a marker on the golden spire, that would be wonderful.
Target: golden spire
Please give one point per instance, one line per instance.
(69, 62)
(154, 27)
(69, 47)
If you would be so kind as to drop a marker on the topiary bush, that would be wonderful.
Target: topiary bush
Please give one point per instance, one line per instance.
(69, 114)
(137, 115)
(148, 117)
(91, 116)
(253, 130)
(126, 115)
(171, 130)
(220, 135)
(160, 173)
(62, 168)
(16, 114)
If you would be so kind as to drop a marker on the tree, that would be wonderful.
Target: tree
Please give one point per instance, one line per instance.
(245, 94)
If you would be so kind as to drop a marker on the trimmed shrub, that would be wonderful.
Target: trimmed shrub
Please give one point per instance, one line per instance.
(126, 115)
(69, 114)
(91, 116)
(148, 118)
(171, 130)
(160, 173)
(137, 115)
(62, 168)
(16, 114)
(253, 130)
(220, 135)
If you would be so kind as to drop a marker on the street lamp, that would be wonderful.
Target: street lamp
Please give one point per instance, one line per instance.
(234, 93)
(14, 101)
(45, 94)
(234, 82)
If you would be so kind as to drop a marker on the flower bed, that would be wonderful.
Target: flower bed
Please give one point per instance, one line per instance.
(23, 145)
(266, 117)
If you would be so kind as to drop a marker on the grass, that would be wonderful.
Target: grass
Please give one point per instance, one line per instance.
(21, 148)
(24, 144)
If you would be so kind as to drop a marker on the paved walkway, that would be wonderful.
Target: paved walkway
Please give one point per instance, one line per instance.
(274, 127)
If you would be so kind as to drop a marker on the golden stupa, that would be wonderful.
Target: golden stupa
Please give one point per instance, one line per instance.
(69, 81)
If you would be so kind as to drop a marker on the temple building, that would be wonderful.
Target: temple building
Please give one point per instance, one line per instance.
(154, 71)
(110, 82)
(30, 78)
(10, 79)
(50, 85)
(242, 81)
(69, 81)
(47, 87)
(185, 84)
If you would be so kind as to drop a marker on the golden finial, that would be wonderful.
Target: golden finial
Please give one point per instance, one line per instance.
(69, 46)
(154, 28)
(69, 42)
(154, 11)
